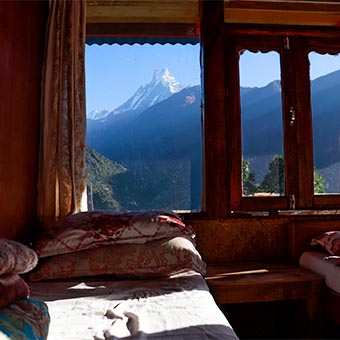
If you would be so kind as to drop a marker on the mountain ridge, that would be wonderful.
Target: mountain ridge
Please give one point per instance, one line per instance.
(167, 136)
(162, 85)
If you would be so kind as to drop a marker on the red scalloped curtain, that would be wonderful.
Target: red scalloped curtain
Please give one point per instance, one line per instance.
(62, 172)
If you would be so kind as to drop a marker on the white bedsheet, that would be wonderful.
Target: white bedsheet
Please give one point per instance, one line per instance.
(175, 308)
(315, 261)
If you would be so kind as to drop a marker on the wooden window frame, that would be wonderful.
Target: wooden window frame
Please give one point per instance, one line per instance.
(220, 21)
(298, 139)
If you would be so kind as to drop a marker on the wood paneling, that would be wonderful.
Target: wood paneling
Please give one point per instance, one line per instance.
(242, 239)
(142, 11)
(319, 13)
(304, 229)
(22, 30)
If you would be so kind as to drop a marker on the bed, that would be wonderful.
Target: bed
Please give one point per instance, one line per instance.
(316, 246)
(136, 275)
(178, 307)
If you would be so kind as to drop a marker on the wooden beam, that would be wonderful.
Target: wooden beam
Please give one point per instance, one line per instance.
(213, 64)
(141, 30)
(142, 11)
(310, 13)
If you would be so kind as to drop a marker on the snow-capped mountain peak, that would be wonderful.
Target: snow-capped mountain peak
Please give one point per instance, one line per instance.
(167, 79)
(161, 87)
(95, 114)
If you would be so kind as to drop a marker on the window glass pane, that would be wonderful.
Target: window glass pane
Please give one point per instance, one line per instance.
(261, 119)
(325, 94)
(144, 146)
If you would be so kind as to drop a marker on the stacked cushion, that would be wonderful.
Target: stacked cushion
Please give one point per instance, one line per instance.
(140, 244)
(15, 259)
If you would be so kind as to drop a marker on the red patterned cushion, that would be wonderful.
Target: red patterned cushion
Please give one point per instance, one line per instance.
(12, 289)
(15, 257)
(158, 258)
(330, 241)
(97, 228)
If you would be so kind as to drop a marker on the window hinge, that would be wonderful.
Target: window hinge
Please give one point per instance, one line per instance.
(286, 43)
(292, 115)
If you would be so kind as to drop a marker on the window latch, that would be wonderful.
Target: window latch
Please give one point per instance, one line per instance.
(286, 43)
(292, 202)
(292, 115)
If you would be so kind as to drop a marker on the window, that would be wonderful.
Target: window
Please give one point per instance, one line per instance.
(144, 135)
(326, 122)
(266, 159)
(261, 124)
(285, 134)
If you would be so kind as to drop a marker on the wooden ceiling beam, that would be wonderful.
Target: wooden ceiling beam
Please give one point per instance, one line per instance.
(143, 11)
(310, 13)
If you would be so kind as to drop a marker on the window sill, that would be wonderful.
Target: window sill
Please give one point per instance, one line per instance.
(308, 212)
(286, 213)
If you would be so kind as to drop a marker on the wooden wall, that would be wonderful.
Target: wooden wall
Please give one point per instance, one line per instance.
(267, 239)
(243, 239)
(22, 34)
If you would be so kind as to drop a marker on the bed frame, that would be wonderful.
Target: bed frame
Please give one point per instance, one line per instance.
(301, 233)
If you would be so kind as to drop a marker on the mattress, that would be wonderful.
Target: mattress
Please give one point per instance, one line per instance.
(177, 307)
(316, 261)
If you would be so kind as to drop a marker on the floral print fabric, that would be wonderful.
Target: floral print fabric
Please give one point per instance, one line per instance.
(20, 317)
(27, 319)
(15, 257)
(159, 258)
(97, 228)
(62, 170)
(330, 241)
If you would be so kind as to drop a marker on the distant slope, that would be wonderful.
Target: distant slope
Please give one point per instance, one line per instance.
(165, 139)
(101, 172)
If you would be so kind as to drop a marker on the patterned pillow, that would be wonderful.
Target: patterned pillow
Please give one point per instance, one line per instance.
(159, 258)
(15, 257)
(12, 289)
(330, 241)
(96, 228)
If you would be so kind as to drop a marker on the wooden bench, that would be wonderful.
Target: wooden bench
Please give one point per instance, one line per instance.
(262, 282)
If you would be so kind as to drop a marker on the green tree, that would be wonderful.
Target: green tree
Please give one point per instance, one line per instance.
(319, 183)
(274, 181)
(248, 179)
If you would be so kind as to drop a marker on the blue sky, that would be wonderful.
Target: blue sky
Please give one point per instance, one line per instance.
(114, 72)
(259, 69)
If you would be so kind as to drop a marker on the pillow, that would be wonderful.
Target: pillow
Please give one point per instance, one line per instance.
(159, 258)
(330, 241)
(15, 257)
(12, 289)
(96, 228)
